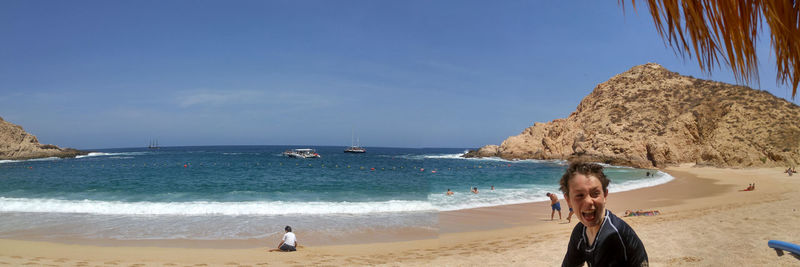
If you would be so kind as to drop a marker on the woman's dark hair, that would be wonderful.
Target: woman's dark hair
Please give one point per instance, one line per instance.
(586, 169)
(288, 228)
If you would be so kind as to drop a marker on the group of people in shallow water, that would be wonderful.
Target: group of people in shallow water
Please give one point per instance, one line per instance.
(600, 239)
(474, 190)
(790, 171)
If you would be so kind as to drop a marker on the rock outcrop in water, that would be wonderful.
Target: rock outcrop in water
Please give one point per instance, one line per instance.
(17, 144)
(652, 117)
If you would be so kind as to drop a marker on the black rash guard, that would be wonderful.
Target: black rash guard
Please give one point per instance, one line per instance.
(616, 244)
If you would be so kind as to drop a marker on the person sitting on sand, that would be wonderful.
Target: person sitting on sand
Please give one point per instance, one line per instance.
(750, 187)
(474, 190)
(554, 205)
(629, 213)
(602, 238)
(449, 193)
(289, 241)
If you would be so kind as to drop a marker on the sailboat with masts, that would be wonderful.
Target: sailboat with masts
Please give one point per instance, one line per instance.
(355, 147)
(153, 144)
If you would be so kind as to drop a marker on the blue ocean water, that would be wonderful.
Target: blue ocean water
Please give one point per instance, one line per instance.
(243, 192)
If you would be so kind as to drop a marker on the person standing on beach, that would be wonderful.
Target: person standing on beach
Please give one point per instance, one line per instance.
(289, 241)
(602, 238)
(569, 217)
(555, 205)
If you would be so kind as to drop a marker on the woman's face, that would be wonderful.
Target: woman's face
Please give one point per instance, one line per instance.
(588, 199)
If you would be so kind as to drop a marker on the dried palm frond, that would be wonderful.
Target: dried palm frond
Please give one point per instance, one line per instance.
(728, 29)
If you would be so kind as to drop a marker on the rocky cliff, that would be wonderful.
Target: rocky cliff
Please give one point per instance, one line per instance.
(16, 144)
(652, 117)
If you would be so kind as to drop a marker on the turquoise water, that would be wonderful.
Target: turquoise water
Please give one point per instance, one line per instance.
(242, 192)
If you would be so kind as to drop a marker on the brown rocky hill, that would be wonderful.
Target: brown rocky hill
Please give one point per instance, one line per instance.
(652, 117)
(17, 144)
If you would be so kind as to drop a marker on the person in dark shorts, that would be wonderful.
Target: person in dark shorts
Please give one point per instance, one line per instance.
(554, 205)
(602, 238)
(288, 242)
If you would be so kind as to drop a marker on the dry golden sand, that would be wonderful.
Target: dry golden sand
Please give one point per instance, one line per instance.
(705, 221)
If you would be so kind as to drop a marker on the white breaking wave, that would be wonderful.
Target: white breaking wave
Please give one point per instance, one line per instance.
(463, 199)
(207, 208)
(443, 156)
(101, 154)
(460, 156)
(40, 159)
(658, 178)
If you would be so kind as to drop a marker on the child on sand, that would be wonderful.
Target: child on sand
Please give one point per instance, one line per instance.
(602, 238)
(288, 243)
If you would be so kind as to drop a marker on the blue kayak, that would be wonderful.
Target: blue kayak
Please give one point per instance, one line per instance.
(781, 246)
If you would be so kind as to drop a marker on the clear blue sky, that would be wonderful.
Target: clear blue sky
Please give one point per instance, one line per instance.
(105, 74)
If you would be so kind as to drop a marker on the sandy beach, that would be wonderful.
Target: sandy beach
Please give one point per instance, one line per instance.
(705, 220)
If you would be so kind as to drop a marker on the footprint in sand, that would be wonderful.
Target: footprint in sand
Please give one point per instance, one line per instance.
(16, 257)
(231, 263)
(262, 264)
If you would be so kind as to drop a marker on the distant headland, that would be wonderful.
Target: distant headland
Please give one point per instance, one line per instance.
(16, 144)
(651, 117)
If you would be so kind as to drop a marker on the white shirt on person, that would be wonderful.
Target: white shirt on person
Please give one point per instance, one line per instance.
(289, 239)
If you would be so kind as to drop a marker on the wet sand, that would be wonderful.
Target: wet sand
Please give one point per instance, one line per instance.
(705, 220)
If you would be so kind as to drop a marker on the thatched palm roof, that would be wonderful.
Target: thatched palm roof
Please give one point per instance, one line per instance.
(728, 30)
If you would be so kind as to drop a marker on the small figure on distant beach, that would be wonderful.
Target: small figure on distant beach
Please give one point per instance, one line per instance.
(288, 242)
(648, 174)
(750, 187)
(602, 238)
(554, 205)
(449, 193)
(492, 187)
(474, 190)
(569, 217)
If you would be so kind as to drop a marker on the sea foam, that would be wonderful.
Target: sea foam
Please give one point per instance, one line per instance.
(207, 208)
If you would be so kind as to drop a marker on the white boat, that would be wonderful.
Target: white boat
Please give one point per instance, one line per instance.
(301, 153)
